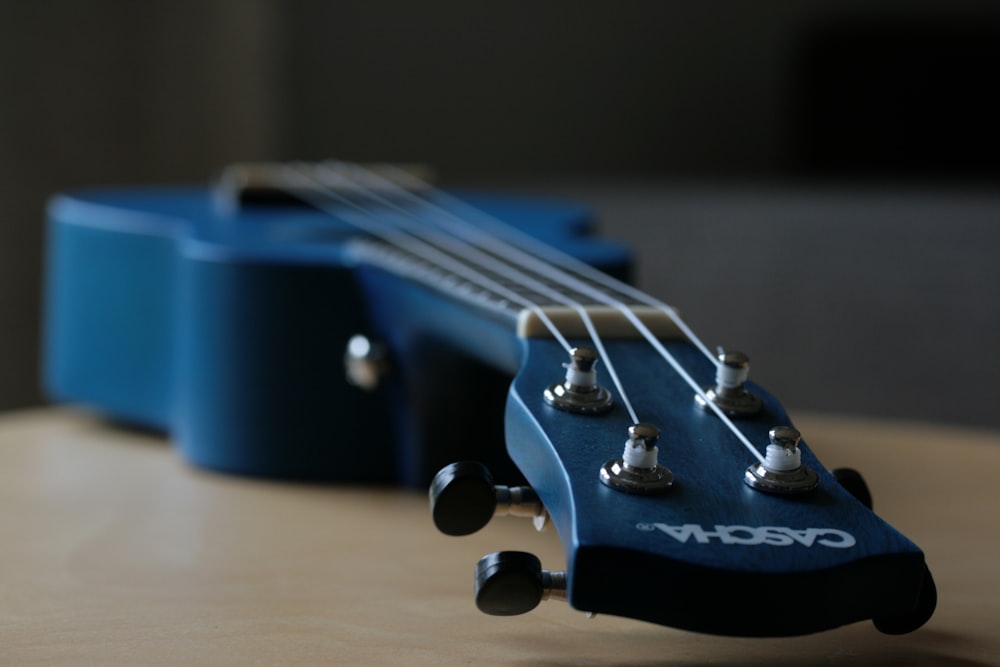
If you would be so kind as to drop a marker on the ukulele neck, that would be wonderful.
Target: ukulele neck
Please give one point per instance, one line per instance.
(482, 312)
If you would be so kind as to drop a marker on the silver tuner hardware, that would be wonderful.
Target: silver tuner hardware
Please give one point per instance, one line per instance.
(579, 392)
(365, 362)
(638, 470)
(509, 583)
(521, 501)
(782, 471)
(729, 393)
(464, 499)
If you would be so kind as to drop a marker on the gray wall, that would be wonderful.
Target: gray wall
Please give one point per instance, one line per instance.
(881, 302)
(891, 296)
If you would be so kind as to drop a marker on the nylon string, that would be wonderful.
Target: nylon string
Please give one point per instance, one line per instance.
(551, 254)
(460, 225)
(401, 240)
(479, 258)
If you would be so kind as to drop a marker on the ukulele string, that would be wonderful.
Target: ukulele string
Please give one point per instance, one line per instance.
(403, 241)
(461, 226)
(479, 257)
(552, 255)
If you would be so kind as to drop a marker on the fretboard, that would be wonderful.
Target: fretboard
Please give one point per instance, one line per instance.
(513, 300)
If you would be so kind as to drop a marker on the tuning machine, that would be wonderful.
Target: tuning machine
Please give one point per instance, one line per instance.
(782, 470)
(638, 470)
(464, 498)
(729, 393)
(855, 484)
(513, 582)
(579, 392)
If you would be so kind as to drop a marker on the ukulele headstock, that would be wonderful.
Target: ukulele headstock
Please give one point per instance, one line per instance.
(666, 522)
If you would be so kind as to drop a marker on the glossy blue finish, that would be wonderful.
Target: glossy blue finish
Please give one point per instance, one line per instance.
(175, 309)
(620, 564)
(109, 315)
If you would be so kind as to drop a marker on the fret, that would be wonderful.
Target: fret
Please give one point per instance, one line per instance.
(407, 265)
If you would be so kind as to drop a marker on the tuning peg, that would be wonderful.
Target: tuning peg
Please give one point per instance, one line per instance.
(464, 499)
(579, 392)
(729, 393)
(513, 582)
(638, 470)
(782, 470)
(904, 623)
(854, 483)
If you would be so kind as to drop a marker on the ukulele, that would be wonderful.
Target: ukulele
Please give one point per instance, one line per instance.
(355, 324)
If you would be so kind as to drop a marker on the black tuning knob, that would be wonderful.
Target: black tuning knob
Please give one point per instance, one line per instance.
(854, 483)
(906, 623)
(513, 582)
(464, 499)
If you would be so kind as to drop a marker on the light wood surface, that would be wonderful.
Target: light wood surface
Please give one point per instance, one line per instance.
(113, 551)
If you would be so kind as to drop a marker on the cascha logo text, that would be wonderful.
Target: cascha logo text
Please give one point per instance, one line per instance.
(777, 536)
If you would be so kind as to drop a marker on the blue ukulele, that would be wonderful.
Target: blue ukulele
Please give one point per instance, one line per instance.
(356, 325)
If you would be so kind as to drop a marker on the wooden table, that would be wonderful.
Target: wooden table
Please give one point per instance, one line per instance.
(115, 552)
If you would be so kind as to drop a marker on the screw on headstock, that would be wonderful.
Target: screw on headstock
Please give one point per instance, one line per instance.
(729, 393)
(782, 471)
(579, 392)
(638, 470)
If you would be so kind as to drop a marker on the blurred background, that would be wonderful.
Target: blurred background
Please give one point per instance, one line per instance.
(814, 183)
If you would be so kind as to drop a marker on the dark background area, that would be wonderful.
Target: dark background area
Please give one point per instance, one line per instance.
(812, 182)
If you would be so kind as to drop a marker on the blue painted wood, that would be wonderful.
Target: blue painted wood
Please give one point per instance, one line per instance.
(174, 309)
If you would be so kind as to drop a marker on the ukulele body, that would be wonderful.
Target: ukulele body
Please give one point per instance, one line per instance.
(226, 326)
